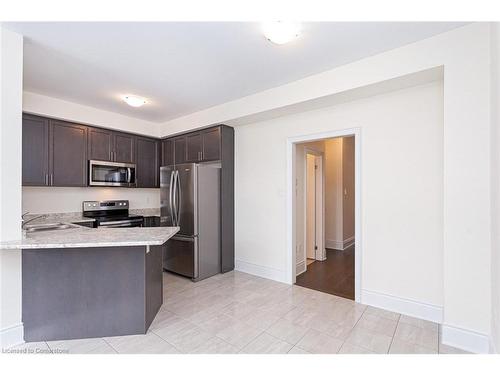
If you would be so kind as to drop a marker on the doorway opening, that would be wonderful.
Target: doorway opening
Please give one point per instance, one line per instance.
(325, 215)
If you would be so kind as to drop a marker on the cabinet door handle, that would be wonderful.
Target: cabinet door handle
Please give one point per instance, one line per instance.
(51, 179)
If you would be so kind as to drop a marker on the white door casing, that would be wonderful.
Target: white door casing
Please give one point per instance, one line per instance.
(291, 202)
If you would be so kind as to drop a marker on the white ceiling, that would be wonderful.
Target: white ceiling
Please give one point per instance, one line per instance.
(186, 67)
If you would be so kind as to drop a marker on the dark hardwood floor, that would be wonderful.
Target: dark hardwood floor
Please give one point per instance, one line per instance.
(335, 275)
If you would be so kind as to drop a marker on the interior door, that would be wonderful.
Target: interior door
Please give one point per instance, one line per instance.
(185, 199)
(310, 206)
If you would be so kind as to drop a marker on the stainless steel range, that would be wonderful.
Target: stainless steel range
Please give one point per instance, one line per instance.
(112, 214)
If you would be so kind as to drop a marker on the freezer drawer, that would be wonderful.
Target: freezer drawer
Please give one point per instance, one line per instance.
(180, 255)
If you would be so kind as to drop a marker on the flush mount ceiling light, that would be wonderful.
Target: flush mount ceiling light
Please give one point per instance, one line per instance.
(281, 32)
(134, 101)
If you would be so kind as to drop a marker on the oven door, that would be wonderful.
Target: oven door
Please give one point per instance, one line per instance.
(139, 222)
(105, 173)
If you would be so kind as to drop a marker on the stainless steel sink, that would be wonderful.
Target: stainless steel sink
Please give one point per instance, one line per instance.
(46, 227)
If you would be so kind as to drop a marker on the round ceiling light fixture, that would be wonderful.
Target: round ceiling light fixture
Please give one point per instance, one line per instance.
(281, 32)
(134, 101)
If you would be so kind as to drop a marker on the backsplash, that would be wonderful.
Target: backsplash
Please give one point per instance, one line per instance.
(60, 200)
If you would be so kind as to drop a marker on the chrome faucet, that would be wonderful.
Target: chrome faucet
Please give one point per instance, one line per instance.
(30, 220)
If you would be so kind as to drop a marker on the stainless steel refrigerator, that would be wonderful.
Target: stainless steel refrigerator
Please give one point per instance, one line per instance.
(190, 199)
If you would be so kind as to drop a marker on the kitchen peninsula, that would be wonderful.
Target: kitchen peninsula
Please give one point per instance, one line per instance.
(81, 282)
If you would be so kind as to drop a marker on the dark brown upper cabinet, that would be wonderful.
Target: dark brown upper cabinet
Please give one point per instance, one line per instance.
(194, 147)
(211, 144)
(54, 152)
(124, 148)
(198, 146)
(180, 149)
(100, 145)
(147, 156)
(107, 145)
(35, 151)
(67, 154)
(167, 152)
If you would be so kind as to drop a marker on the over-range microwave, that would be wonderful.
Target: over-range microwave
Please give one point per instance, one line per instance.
(107, 173)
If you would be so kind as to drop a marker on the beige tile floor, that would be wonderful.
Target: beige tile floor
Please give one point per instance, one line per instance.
(240, 313)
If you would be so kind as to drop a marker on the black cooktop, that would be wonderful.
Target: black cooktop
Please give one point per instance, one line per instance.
(103, 219)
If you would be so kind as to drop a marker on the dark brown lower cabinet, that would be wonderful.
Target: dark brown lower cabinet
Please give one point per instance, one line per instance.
(76, 293)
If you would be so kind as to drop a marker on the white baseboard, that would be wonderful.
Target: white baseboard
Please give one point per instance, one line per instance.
(334, 244)
(348, 243)
(11, 336)
(493, 348)
(300, 268)
(402, 305)
(339, 245)
(464, 339)
(258, 270)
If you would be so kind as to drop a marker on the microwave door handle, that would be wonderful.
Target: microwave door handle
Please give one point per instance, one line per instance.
(129, 175)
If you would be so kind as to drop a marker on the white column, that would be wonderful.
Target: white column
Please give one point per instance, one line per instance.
(11, 87)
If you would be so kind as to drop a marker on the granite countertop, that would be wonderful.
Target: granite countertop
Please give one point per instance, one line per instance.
(67, 217)
(89, 237)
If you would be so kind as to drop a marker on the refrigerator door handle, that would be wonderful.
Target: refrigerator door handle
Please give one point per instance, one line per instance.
(171, 202)
(174, 199)
(178, 198)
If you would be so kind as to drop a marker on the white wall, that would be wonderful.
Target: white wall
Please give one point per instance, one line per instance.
(333, 193)
(495, 189)
(11, 74)
(57, 199)
(464, 55)
(402, 218)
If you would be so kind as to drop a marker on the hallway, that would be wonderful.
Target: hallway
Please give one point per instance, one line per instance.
(335, 275)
